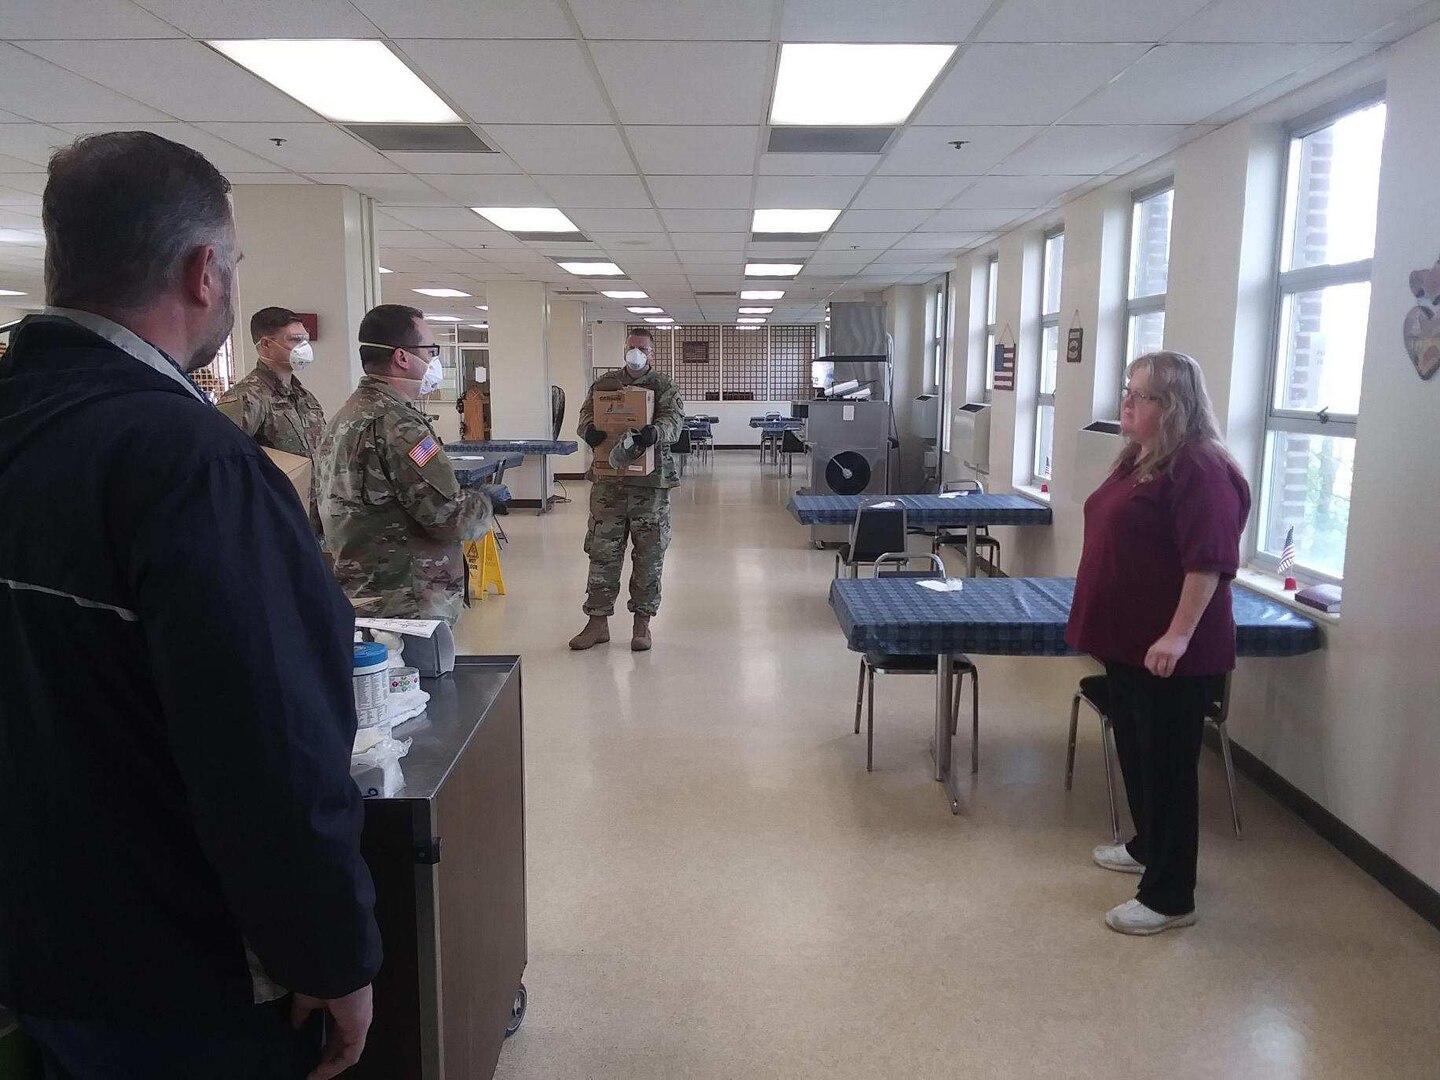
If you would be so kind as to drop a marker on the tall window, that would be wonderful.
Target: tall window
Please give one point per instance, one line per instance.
(1149, 272)
(992, 284)
(1331, 190)
(1049, 354)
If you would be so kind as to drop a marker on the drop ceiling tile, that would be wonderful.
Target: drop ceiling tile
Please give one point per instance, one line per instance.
(407, 239)
(22, 20)
(806, 192)
(258, 19)
(1184, 84)
(441, 218)
(1087, 149)
(467, 19)
(701, 192)
(396, 189)
(474, 242)
(862, 21)
(685, 83)
(1088, 20)
(42, 91)
(910, 192)
(818, 164)
(564, 148)
(27, 178)
(934, 241)
(880, 221)
(927, 151)
(710, 241)
(849, 242)
(596, 222)
(489, 190)
(1298, 21)
(238, 178)
(695, 151)
(455, 164)
(182, 78)
(970, 220)
(222, 154)
(308, 148)
(595, 192)
(31, 143)
(674, 20)
(638, 259)
(988, 84)
(1015, 192)
(512, 82)
(706, 220)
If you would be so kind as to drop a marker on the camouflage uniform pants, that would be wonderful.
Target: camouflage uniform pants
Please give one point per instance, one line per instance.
(621, 512)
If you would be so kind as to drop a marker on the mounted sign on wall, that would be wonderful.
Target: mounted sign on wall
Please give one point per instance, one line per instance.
(1004, 367)
(1422, 327)
(311, 322)
(1075, 343)
(695, 352)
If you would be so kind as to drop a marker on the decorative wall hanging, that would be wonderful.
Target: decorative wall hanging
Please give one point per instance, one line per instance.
(695, 352)
(1004, 367)
(1075, 343)
(1422, 326)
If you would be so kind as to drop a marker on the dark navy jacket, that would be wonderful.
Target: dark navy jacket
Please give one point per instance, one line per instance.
(176, 711)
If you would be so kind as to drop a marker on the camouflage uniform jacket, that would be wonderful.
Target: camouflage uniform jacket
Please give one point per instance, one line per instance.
(393, 511)
(286, 418)
(669, 419)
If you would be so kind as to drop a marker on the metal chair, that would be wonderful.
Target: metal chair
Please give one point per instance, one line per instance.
(1094, 691)
(790, 445)
(886, 664)
(682, 448)
(983, 540)
(875, 532)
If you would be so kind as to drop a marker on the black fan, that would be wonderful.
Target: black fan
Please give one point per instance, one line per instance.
(847, 473)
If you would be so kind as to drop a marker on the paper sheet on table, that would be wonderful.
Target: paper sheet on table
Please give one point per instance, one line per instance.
(881, 506)
(413, 627)
(942, 584)
(953, 494)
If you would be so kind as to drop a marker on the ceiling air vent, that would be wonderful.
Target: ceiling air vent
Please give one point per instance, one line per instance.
(731, 295)
(829, 140)
(553, 237)
(431, 138)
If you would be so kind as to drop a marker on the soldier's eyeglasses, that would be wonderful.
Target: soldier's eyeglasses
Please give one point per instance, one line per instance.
(428, 351)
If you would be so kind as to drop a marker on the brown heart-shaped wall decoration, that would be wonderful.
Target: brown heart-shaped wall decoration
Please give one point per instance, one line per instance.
(1422, 324)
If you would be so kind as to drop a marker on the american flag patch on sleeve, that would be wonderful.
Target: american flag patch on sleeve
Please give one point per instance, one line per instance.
(423, 451)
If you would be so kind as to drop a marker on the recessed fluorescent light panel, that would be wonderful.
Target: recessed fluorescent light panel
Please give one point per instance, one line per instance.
(646, 311)
(442, 318)
(479, 326)
(756, 310)
(383, 270)
(853, 85)
(749, 327)
(773, 269)
(10, 292)
(351, 81)
(660, 321)
(793, 221)
(592, 269)
(482, 307)
(526, 219)
(624, 295)
(762, 294)
(751, 322)
(440, 292)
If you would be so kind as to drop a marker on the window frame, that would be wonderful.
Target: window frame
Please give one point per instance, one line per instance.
(991, 317)
(1285, 284)
(1048, 320)
(1138, 306)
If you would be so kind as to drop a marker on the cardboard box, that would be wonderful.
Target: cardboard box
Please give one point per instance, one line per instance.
(616, 412)
(297, 468)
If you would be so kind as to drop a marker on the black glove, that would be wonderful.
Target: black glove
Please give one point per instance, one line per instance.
(648, 435)
(593, 436)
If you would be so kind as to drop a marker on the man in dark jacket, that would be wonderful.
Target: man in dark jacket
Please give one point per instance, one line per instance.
(181, 886)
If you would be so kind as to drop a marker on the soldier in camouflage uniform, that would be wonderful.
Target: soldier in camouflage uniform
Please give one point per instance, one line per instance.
(394, 513)
(270, 403)
(632, 508)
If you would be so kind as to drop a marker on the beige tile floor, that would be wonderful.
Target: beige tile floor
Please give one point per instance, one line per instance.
(719, 890)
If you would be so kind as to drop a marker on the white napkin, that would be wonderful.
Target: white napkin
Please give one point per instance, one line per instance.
(953, 584)
(881, 505)
(953, 494)
(406, 706)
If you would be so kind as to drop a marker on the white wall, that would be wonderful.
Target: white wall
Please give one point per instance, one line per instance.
(569, 372)
(520, 376)
(905, 320)
(1356, 726)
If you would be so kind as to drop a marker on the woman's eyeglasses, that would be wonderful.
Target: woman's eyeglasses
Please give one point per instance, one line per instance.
(1139, 397)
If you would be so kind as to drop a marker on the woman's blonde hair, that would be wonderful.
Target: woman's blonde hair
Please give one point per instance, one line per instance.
(1187, 417)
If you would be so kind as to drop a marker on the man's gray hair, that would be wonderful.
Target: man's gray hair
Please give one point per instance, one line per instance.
(123, 211)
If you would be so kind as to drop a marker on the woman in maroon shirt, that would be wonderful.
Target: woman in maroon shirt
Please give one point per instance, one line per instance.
(1152, 602)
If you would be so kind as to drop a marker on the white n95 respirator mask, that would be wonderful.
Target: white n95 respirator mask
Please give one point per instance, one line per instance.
(301, 356)
(433, 377)
(636, 358)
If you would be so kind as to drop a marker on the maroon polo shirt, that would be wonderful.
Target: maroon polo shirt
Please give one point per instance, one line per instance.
(1141, 539)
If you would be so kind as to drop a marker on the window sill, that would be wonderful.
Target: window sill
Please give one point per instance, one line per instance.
(1271, 586)
(1029, 491)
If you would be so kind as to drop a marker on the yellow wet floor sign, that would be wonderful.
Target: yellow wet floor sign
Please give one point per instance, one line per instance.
(483, 559)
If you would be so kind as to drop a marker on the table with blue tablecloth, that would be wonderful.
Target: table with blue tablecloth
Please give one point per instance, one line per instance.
(475, 469)
(777, 423)
(1013, 617)
(967, 510)
(541, 448)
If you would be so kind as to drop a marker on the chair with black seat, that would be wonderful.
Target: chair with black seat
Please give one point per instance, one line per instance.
(790, 445)
(946, 537)
(888, 664)
(681, 448)
(875, 532)
(1094, 691)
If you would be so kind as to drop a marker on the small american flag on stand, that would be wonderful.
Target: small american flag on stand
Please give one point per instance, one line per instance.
(1287, 558)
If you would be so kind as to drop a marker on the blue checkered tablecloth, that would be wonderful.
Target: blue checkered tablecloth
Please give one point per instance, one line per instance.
(474, 469)
(1019, 617)
(928, 510)
(514, 446)
(784, 423)
(699, 429)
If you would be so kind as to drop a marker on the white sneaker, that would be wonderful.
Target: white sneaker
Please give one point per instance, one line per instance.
(1116, 857)
(1133, 917)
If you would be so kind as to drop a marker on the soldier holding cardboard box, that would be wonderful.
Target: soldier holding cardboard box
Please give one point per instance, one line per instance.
(629, 420)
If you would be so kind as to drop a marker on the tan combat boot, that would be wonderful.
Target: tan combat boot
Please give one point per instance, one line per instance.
(640, 639)
(596, 632)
